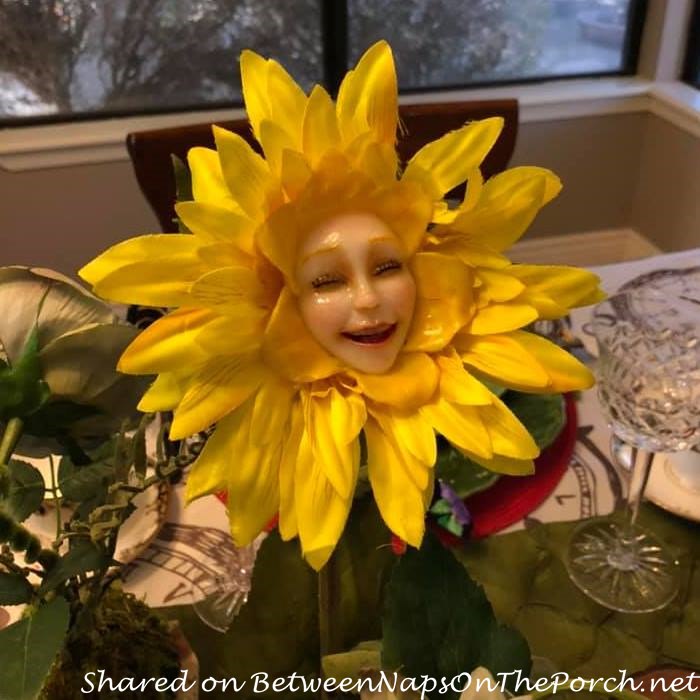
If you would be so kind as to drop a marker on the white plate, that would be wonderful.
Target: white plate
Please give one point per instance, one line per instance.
(674, 481)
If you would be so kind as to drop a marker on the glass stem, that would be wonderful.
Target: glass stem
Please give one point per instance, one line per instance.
(641, 466)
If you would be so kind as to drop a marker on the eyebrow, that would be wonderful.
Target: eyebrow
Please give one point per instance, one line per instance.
(332, 246)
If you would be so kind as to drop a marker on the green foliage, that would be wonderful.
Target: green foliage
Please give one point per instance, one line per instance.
(25, 492)
(55, 418)
(22, 389)
(28, 649)
(14, 589)
(83, 556)
(542, 414)
(77, 570)
(465, 476)
(80, 483)
(438, 622)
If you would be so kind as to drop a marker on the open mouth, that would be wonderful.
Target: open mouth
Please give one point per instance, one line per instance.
(372, 336)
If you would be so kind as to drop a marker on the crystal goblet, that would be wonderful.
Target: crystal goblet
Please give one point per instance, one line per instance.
(648, 376)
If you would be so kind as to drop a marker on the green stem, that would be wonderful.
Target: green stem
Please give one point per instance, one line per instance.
(9, 564)
(10, 438)
(56, 498)
(327, 610)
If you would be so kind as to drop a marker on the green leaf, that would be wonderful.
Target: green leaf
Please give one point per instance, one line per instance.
(85, 482)
(26, 490)
(55, 418)
(542, 414)
(22, 389)
(84, 555)
(14, 589)
(437, 620)
(183, 186)
(28, 649)
(461, 473)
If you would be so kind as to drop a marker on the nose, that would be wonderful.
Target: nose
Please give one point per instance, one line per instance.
(364, 295)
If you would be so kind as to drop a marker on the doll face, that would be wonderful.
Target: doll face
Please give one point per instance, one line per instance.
(356, 294)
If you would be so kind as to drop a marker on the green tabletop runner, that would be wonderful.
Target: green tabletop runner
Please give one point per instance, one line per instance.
(523, 576)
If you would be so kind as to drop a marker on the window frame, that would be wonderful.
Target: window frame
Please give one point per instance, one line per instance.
(335, 63)
(691, 64)
(655, 89)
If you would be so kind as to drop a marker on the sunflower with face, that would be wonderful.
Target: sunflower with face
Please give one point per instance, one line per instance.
(324, 298)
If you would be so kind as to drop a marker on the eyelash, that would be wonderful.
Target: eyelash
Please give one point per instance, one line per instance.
(324, 281)
(387, 266)
(330, 280)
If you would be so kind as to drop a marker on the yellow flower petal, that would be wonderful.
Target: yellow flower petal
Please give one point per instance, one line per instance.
(503, 359)
(295, 173)
(443, 214)
(461, 425)
(368, 96)
(208, 183)
(514, 178)
(168, 344)
(274, 141)
(321, 511)
(210, 471)
(333, 422)
(415, 434)
(405, 209)
(443, 303)
(501, 318)
(503, 465)
(458, 386)
(290, 349)
(252, 485)
(499, 222)
(271, 409)
(378, 159)
(215, 224)
(154, 270)
(236, 330)
(246, 174)
(228, 288)
(249, 473)
(565, 372)
(400, 501)
(320, 129)
(508, 435)
(471, 254)
(291, 455)
(498, 285)
(165, 393)
(566, 287)
(447, 162)
(270, 94)
(218, 388)
(410, 383)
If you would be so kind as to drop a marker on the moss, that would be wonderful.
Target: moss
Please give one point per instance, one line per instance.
(124, 638)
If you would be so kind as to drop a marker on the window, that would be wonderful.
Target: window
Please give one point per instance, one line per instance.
(691, 70)
(69, 59)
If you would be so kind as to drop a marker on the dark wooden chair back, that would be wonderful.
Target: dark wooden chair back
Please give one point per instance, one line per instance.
(150, 151)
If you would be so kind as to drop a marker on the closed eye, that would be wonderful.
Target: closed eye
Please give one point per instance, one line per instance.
(326, 281)
(388, 266)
